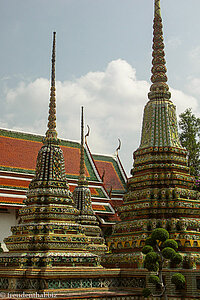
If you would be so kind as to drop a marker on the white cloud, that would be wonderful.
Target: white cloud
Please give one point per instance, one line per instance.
(194, 56)
(194, 86)
(113, 102)
(183, 101)
(174, 43)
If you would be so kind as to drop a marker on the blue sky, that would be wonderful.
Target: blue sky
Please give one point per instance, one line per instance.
(103, 62)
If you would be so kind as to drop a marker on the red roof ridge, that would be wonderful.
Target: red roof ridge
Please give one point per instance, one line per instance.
(121, 168)
(96, 169)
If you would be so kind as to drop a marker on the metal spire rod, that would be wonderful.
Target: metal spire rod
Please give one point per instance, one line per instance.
(82, 177)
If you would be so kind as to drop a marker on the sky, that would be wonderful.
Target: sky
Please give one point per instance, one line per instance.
(103, 62)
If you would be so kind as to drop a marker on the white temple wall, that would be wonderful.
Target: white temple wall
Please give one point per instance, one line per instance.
(7, 219)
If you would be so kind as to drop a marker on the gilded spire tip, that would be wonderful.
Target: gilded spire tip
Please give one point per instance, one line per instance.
(51, 134)
(157, 10)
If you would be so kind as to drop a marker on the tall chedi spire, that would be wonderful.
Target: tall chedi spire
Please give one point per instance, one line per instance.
(163, 131)
(160, 190)
(51, 134)
(159, 77)
(83, 202)
(48, 239)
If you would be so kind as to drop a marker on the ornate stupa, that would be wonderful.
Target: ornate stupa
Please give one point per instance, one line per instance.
(48, 241)
(83, 202)
(52, 249)
(160, 190)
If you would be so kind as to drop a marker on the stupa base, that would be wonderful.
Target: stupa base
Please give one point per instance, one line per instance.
(88, 283)
(71, 281)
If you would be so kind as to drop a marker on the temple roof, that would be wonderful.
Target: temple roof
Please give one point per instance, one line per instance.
(114, 176)
(18, 154)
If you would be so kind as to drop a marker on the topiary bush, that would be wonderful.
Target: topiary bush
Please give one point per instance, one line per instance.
(177, 259)
(170, 243)
(152, 267)
(147, 249)
(158, 250)
(160, 234)
(179, 280)
(151, 257)
(146, 292)
(168, 253)
(154, 279)
(150, 241)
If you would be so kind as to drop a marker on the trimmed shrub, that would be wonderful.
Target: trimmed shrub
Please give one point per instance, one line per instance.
(179, 280)
(168, 252)
(150, 242)
(154, 279)
(170, 243)
(177, 259)
(147, 249)
(146, 292)
(153, 267)
(151, 257)
(160, 234)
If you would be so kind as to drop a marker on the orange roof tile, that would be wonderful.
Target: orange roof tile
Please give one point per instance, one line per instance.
(11, 200)
(111, 177)
(14, 182)
(22, 154)
(18, 153)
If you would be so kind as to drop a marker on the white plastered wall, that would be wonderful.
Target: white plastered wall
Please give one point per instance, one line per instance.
(7, 219)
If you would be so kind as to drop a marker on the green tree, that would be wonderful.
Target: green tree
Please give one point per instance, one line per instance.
(158, 250)
(189, 137)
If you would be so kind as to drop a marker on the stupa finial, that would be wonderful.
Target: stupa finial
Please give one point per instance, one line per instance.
(157, 10)
(159, 87)
(82, 177)
(51, 134)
